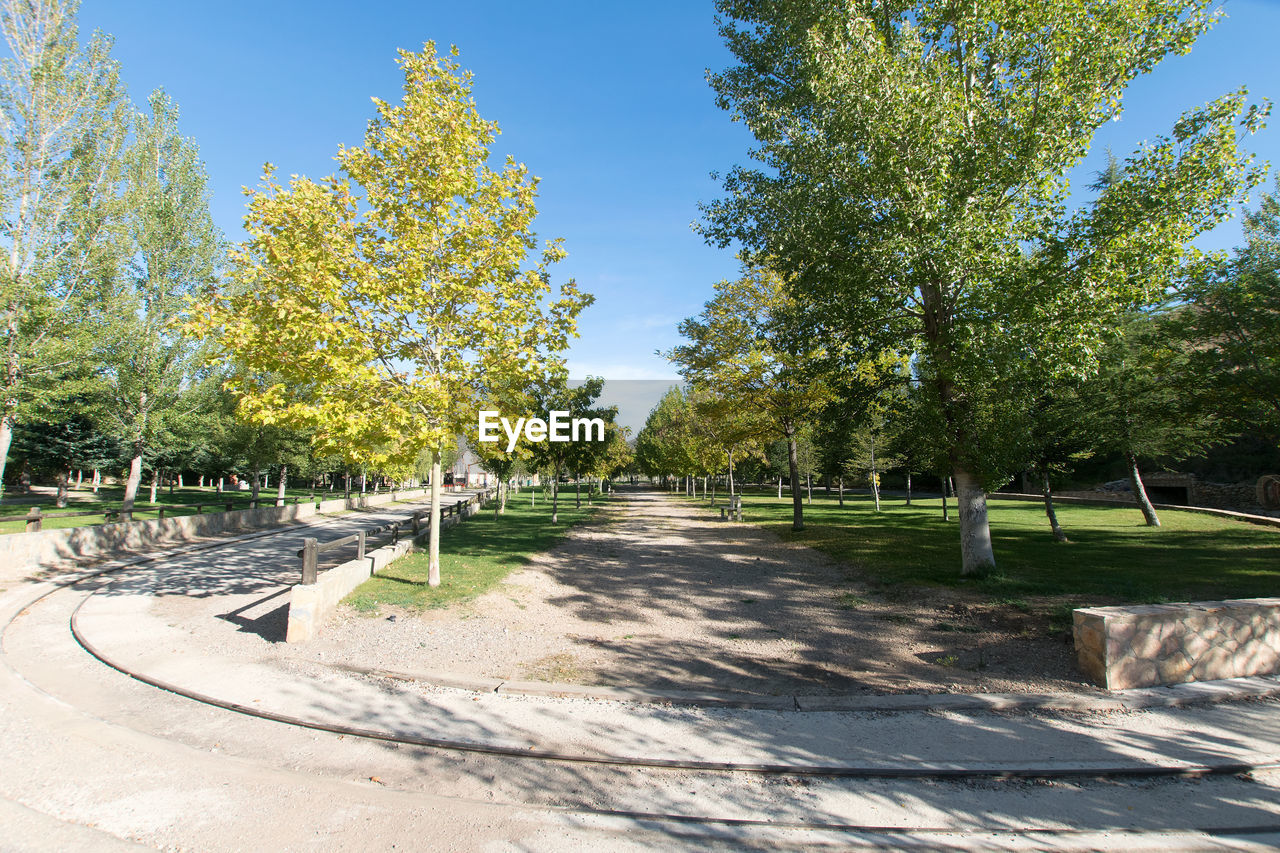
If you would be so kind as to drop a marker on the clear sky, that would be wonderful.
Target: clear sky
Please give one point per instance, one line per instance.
(606, 102)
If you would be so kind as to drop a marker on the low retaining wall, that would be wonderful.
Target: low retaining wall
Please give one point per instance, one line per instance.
(69, 545)
(311, 604)
(1156, 644)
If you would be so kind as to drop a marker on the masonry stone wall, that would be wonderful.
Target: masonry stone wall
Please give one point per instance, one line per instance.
(1157, 644)
(311, 604)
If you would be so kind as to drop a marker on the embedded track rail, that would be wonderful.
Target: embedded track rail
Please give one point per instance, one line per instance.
(75, 586)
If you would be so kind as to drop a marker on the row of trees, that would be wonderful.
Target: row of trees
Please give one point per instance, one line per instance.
(907, 239)
(366, 319)
(106, 232)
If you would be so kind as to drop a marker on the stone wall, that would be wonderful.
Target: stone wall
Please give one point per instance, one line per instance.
(69, 546)
(1156, 644)
(20, 552)
(311, 604)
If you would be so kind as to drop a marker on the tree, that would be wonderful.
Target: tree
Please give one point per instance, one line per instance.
(911, 152)
(63, 125)
(385, 294)
(577, 454)
(663, 445)
(750, 345)
(1233, 316)
(173, 251)
(1139, 404)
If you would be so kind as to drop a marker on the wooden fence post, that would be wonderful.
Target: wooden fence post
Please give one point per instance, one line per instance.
(310, 556)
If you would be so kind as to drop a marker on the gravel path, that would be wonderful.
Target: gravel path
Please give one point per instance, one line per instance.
(655, 592)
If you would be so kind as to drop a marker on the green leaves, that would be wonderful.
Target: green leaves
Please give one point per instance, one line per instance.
(389, 297)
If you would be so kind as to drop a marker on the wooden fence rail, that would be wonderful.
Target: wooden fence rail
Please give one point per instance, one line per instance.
(312, 547)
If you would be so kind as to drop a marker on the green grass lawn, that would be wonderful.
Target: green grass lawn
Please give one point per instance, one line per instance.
(110, 498)
(1112, 555)
(474, 555)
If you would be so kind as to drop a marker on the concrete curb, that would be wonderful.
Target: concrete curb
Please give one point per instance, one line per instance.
(1196, 693)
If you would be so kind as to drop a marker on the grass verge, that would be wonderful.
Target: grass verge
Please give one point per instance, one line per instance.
(1112, 556)
(474, 557)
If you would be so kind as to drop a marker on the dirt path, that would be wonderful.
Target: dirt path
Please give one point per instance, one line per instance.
(656, 592)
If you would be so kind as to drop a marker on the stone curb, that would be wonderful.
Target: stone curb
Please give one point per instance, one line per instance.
(1197, 693)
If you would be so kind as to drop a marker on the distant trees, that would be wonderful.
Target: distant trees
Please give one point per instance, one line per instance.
(752, 347)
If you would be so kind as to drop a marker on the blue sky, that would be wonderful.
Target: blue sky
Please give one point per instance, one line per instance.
(606, 102)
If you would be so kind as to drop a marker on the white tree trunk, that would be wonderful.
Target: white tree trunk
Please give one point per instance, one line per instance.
(135, 480)
(97, 480)
(6, 438)
(155, 484)
(280, 486)
(1140, 492)
(433, 546)
(975, 531)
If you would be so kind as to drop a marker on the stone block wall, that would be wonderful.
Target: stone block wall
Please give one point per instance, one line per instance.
(1156, 644)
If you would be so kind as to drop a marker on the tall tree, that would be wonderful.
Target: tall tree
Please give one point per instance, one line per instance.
(383, 295)
(173, 253)
(62, 125)
(911, 152)
(1233, 315)
(752, 346)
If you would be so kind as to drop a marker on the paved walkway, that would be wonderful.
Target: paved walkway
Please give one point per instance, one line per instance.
(203, 622)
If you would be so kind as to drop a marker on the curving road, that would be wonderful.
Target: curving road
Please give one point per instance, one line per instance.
(91, 757)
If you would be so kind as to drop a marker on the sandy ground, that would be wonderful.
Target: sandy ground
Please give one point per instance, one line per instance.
(658, 593)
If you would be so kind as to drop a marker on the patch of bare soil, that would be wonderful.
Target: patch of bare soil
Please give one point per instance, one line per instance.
(657, 593)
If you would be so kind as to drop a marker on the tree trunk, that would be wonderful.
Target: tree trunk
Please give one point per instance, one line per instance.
(364, 482)
(841, 492)
(875, 476)
(779, 487)
(1058, 533)
(946, 490)
(433, 540)
(135, 479)
(63, 482)
(808, 485)
(1140, 491)
(797, 505)
(201, 482)
(730, 473)
(908, 488)
(97, 479)
(257, 483)
(155, 484)
(282, 485)
(79, 477)
(180, 480)
(577, 492)
(219, 488)
(976, 555)
(555, 497)
(6, 438)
